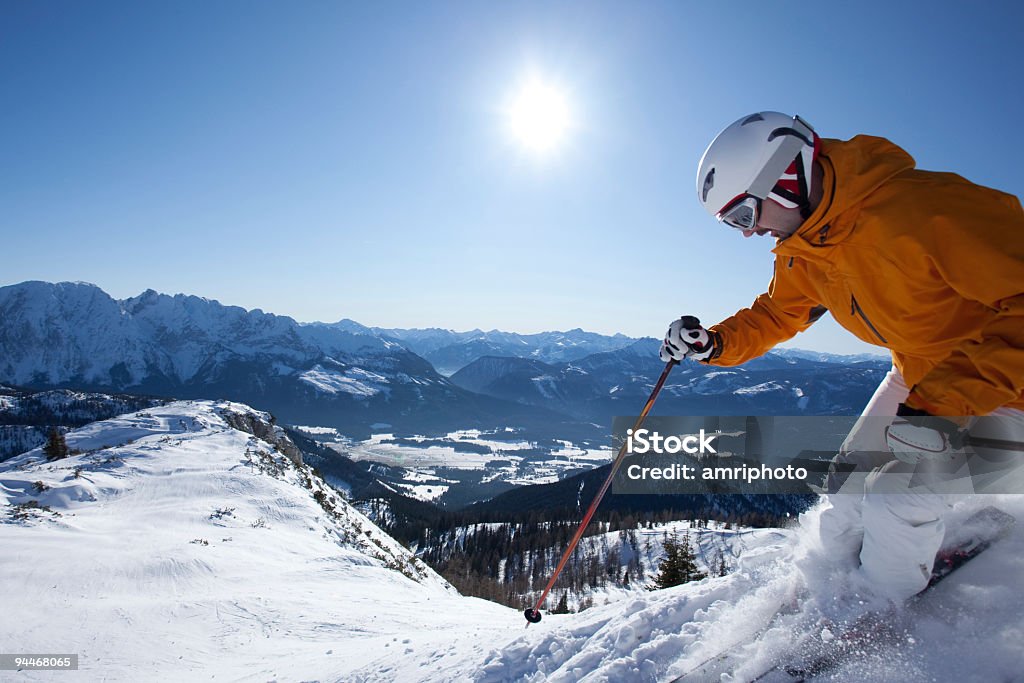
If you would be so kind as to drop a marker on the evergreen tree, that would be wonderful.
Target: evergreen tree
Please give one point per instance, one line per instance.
(56, 447)
(563, 604)
(679, 565)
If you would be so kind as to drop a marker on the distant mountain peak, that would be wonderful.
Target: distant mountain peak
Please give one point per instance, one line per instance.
(186, 346)
(450, 351)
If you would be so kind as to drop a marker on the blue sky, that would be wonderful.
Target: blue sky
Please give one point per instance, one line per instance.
(346, 159)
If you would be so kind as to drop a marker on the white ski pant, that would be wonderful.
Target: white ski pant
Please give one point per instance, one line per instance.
(895, 531)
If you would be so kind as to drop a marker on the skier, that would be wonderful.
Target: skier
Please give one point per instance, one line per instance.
(925, 264)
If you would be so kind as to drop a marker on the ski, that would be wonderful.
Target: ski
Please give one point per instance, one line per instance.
(976, 535)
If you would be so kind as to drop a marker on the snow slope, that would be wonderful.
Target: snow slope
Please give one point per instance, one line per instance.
(185, 549)
(969, 628)
(175, 554)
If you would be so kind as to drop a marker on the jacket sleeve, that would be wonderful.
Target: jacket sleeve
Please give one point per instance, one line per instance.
(774, 317)
(977, 247)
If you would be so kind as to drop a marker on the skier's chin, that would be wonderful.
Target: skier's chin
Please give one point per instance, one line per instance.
(777, 234)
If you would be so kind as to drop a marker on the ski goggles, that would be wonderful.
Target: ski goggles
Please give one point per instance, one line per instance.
(743, 212)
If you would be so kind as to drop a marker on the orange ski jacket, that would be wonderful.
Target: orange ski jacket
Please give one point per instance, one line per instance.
(928, 265)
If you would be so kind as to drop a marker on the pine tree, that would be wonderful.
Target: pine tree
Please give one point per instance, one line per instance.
(679, 565)
(56, 447)
(563, 604)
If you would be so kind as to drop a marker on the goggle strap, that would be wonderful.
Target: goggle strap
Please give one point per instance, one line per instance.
(787, 195)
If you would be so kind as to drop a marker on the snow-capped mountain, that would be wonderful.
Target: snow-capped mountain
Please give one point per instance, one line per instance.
(345, 375)
(603, 385)
(75, 335)
(75, 332)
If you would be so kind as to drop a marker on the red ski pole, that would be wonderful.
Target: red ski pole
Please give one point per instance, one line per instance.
(533, 614)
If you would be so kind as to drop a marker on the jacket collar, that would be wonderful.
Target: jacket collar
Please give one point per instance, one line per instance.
(853, 169)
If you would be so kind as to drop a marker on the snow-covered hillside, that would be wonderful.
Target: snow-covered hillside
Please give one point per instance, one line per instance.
(969, 628)
(174, 547)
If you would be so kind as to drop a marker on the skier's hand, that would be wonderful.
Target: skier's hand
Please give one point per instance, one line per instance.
(687, 339)
(915, 436)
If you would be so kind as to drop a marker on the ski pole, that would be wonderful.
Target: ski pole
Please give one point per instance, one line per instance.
(533, 614)
(996, 444)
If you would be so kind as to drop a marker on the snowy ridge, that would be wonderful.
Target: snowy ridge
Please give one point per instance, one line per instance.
(171, 544)
(825, 357)
(605, 384)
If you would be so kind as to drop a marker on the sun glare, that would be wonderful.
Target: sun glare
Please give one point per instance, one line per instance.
(539, 116)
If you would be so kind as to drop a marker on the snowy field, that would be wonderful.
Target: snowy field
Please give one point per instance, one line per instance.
(495, 459)
(174, 548)
(383, 449)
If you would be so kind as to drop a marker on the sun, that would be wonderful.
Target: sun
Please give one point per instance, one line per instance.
(539, 116)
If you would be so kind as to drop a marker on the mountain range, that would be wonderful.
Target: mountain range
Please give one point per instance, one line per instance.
(603, 385)
(450, 351)
(361, 380)
(74, 335)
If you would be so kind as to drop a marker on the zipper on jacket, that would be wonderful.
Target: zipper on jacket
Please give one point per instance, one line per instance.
(856, 310)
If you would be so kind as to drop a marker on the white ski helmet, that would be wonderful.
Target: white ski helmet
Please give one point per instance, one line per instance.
(761, 155)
